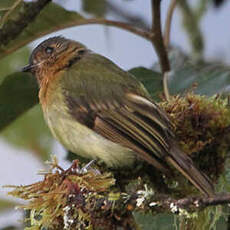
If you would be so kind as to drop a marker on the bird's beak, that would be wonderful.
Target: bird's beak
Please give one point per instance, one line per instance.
(27, 68)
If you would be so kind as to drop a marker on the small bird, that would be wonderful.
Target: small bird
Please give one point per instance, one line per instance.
(99, 111)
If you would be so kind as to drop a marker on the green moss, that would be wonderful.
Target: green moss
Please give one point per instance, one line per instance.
(201, 124)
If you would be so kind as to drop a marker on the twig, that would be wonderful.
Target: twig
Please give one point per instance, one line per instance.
(122, 25)
(165, 85)
(168, 22)
(78, 22)
(158, 43)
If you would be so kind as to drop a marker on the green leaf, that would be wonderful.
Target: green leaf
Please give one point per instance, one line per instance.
(28, 134)
(157, 222)
(152, 80)
(18, 93)
(95, 7)
(24, 132)
(210, 77)
(52, 18)
(11, 227)
(8, 10)
(5, 205)
(6, 3)
(13, 62)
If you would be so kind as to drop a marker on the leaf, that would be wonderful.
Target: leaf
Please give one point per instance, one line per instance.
(24, 132)
(9, 10)
(95, 7)
(52, 18)
(152, 80)
(11, 227)
(5, 205)
(160, 221)
(18, 93)
(210, 77)
(28, 134)
(13, 62)
(6, 3)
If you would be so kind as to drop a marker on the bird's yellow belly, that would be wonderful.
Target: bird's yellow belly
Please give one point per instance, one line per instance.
(83, 141)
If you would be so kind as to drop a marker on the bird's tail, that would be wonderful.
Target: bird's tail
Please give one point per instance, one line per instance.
(185, 165)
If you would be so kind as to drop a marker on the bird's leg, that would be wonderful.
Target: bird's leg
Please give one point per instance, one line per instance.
(88, 167)
(75, 168)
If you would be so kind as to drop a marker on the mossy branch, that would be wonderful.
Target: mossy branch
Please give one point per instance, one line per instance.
(76, 200)
(69, 199)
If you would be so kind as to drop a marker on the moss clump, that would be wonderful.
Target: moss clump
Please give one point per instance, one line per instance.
(201, 127)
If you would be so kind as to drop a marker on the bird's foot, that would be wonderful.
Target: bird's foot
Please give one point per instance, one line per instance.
(86, 168)
(75, 168)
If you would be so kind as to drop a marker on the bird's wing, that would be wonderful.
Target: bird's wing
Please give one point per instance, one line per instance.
(116, 106)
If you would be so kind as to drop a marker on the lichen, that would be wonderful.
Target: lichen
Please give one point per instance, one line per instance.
(65, 198)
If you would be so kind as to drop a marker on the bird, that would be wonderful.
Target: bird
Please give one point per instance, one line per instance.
(99, 111)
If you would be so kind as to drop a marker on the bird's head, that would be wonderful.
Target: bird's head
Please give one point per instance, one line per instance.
(52, 56)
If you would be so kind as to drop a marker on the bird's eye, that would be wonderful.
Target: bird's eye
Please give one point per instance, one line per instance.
(49, 50)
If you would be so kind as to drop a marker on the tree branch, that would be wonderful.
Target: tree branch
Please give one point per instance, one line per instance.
(157, 41)
(9, 32)
(122, 25)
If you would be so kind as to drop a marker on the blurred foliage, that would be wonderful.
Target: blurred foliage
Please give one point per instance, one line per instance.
(152, 80)
(30, 132)
(158, 222)
(18, 91)
(11, 228)
(13, 62)
(52, 18)
(7, 4)
(95, 7)
(204, 78)
(191, 25)
(13, 8)
(219, 3)
(6, 205)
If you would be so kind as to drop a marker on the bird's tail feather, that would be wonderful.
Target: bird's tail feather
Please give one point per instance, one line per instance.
(185, 165)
